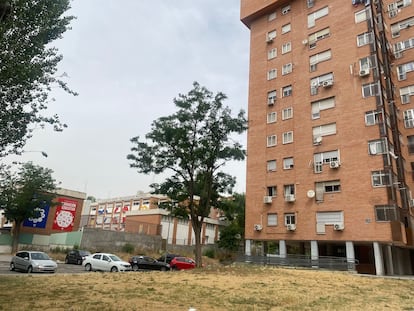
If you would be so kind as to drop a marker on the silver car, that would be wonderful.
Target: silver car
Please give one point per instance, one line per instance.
(32, 261)
(105, 262)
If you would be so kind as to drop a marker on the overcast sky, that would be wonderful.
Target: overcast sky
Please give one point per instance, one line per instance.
(127, 60)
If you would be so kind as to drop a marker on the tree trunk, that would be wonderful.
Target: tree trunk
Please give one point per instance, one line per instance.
(197, 234)
(16, 234)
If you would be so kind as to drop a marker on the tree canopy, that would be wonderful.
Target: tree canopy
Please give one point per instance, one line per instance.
(192, 145)
(28, 67)
(22, 193)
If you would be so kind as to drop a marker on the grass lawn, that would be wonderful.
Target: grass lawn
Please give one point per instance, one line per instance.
(237, 287)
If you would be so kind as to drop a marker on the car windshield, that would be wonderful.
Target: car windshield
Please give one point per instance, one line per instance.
(115, 258)
(40, 256)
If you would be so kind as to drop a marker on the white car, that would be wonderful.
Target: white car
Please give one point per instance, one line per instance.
(105, 262)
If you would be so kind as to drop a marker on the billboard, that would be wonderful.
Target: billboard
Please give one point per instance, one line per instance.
(39, 219)
(65, 215)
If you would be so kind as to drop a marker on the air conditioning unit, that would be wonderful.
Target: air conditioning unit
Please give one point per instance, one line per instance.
(285, 11)
(269, 40)
(334, 164)
(305, 41)
(339, 226)
(267, 199)
(317, 140)
(291, 227)
(315, 84)
(258, 227)
(327, 83)
(271, 101)
(290, 198)
(363, 72)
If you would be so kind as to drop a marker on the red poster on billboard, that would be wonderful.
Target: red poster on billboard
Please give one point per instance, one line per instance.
(65, 215)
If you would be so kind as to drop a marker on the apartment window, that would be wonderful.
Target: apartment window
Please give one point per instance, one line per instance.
(380, 178)
(290, 219)
(373, 117)
(271, 35)
(323, 130)
(370, 89)
(410, 143)
(316, 15)
(286, 28)
(271, 117)
(365, 38)
(310, 3)
(271, 97)
(272, 191)
(319, 159)
(323, 187)
(385, 213)
(271, 74)
(286, 47)
(271, 165)
(404, 24)
(286, 69)
(287, 137)
(288, 190)
(367, 63)
(361, 16)
(288, 163)
(271, 140)
(377, 146)
(285, 9)
(314, 60)
(271, 16)
(323, 104)
(287, 91)
(403, 69)
(287, 113)
(401, 46)
(320, 81)
(319, 35)
(271, 220)
(272, 53)
(409, 118)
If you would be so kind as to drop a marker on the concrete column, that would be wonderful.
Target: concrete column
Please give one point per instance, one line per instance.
(282, 248)
(350, 255)
(379, 263)
(248, 248)
(314, 254)
(388, 260)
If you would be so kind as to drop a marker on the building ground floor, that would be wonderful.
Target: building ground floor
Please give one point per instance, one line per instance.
(363, 257)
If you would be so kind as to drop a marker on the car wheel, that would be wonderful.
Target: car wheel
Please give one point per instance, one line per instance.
(88, 267)
(174, 268)
(163, 268)
(66, 260)
(135, 267)
(79, 261)
(12, 267)
(29, 269)
(114, 269)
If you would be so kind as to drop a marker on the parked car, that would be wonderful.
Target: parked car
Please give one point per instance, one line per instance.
(182, 263)
(76, 256)
(32, 261)
(169, 257)
(147, 263)
(105, 262)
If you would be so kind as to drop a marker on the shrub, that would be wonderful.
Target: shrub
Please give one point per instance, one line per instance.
(210, 253)
(128, 248)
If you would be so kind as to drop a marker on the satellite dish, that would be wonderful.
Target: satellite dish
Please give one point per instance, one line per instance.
(310, 194)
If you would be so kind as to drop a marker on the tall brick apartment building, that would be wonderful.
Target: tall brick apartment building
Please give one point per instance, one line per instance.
(331, 131)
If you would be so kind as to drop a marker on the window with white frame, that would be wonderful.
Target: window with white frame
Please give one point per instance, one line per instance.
(287, 113)
(373, 117)
(271, 74)
(377, 146)
(409, 118)
(288, 190)
(288, 163)
(401, 25)
(385, 213)
(365, 38)
(286, 28)
(272, 53)
(323, 130)
(322, 104)
(314, 60)
(367, 63)
(322, 187)
(290, 219)
(271, 35)
(271, 97)
(319, 35)
(272, 191)
(286, 69)
(271, 165)
(317, 15)
(401, 46)
(286, 47)
(271, 220)
(271, 16)
(285, 9)
(403, 69)
(361, 16)
(271, 117)
(287, 91)
(321, 158)
(370, 89)
(287, 137)
(271, 140)
(316, 82)
(380, 178)
(405, 94)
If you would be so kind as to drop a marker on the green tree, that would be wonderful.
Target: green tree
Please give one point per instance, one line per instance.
(22, 193)
(192, 144)
(28, 67)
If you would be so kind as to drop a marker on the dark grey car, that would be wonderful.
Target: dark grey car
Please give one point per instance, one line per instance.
(32, 261)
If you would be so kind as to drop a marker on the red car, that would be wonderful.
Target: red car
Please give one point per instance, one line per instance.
(182, 263)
